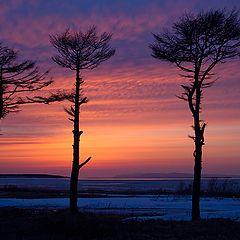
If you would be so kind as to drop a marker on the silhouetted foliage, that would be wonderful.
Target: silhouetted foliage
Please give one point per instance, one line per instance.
(16, 79)
(78, 51)
(196, 44)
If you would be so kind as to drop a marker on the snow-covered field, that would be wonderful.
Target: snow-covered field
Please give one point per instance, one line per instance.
(141, 207)
(144, 206)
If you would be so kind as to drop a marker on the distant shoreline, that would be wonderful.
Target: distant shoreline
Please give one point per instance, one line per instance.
(175, 175)
(31, 175)
(203, 177)
(147, 176)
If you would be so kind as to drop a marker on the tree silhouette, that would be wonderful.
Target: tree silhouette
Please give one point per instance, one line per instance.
(78, 51)
(16, 79)
(196, 44)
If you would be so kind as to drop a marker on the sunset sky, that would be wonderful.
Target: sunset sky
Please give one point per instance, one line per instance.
(133, 121)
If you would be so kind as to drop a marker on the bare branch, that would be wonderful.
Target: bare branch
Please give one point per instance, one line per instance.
(18, 78)
(84, 163)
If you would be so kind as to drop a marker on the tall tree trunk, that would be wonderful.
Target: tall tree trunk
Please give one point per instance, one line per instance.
(199, 141)
(76, 143)
(197, 180)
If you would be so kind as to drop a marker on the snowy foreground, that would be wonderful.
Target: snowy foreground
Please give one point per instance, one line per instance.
(116, 196)
(141, 207)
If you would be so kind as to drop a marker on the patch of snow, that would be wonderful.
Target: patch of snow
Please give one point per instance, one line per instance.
(162, 207)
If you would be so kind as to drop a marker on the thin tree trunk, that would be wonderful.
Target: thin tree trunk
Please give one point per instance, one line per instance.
(197, 181)
(197, 158)
(76, 143)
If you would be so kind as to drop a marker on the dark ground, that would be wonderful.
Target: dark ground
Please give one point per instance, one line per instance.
(36, 224)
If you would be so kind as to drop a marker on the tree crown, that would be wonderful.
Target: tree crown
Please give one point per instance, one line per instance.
(200, 40)
(81, 50)
(16, 78)
(196, 44)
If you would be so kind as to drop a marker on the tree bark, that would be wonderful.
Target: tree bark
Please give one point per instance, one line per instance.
(76, 144)
(199, 141)
(197, 181)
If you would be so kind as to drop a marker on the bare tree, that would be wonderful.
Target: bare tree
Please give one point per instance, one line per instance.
(17, 78)
(78, 51)
(196, 44)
